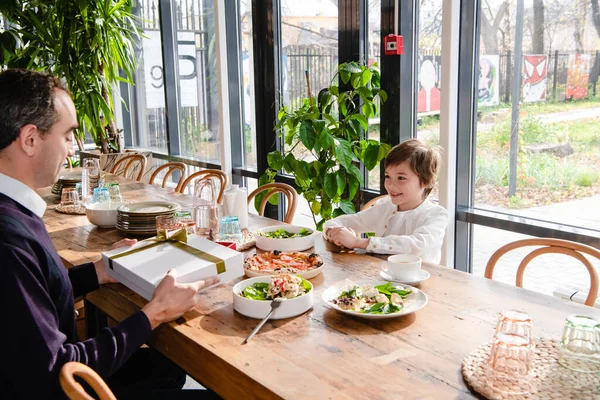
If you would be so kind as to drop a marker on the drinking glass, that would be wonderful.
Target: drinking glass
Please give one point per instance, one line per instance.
(580, 344)
(90, 178)
(101, 195)
(229, 230)
(166, 222)
(69, 197)
(510, 364)
(184, 219)
(206, 210)
(114, 192)
(515, 322)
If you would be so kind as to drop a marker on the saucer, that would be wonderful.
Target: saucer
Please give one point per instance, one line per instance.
(423, 275)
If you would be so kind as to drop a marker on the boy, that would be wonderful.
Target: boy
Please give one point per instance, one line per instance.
(405, 221)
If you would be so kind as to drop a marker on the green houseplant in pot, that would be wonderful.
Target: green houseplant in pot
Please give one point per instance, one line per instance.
(331, 130)
(86, 42)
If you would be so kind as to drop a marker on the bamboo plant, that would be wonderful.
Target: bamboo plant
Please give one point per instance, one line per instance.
(86, 42)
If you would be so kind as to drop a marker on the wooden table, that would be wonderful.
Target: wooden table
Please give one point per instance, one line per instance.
(322, 354)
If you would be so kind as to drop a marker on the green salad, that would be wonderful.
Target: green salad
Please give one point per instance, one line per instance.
(367, 299)
(283, 234)
(281, 286)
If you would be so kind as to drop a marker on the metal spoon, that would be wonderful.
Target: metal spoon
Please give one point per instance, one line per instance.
(274, 304)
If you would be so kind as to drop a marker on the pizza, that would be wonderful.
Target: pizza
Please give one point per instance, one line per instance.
(280, 262)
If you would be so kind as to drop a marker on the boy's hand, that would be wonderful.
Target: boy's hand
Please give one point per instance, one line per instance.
(343, 236)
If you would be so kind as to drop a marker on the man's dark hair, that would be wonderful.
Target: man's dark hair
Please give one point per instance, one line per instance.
(26, 97)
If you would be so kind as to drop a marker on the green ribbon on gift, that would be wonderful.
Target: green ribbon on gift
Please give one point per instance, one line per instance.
(176, 238)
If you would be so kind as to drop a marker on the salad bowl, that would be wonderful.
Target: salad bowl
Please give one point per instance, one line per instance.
(285, 238)
(254, 308)
(412, 301)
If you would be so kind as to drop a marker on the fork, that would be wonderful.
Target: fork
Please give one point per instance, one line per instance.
(274, 304)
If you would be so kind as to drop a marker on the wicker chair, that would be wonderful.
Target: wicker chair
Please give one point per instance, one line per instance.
(546, 246)
(130, 161)
(215, 174)
(372, 202)
(272, 188)
(172, 167)
(74, 390)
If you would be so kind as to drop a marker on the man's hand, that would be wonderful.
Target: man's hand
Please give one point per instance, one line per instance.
(103, 276)
(171, 299)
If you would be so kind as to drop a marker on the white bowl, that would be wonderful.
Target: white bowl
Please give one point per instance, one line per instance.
(260, 308)
(103, 214)
(287, 245)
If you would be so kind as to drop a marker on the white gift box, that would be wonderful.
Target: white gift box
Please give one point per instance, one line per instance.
(143, 270)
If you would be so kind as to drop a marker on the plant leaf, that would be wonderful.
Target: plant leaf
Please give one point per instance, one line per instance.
(343, 152)
(330, 185)
(340, 179)
(275, 160)
(353, 185)
(371, 156)
(307, 134)
(347, 207)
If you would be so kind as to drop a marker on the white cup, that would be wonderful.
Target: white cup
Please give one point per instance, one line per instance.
(403, 266)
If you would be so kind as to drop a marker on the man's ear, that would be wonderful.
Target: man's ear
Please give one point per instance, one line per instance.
(29, 139)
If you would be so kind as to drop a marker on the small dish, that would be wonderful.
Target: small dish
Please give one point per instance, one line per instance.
(103, 215)
(423, 276)
(252, 272)
(415, 301)
(260, 308)
(299, 243)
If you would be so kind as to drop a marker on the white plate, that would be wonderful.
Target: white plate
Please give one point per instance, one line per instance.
(305, 274)
(413, 302)
(288, 245)
(423, 276)
(260, 308)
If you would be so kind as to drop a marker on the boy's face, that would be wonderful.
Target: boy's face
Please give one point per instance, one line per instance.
(403, 186)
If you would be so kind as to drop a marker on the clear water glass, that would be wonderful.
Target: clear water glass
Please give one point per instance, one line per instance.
(101, 195)
(90, 178)
(515, 322)
(510, 364)
(69, 197)
(580, 344)
(166, 222)
(114, 191)
(229, 230)
(184, 219)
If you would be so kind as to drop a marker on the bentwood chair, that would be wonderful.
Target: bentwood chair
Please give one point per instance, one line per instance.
(170, 167)
(372, 202)
(215, 174)
(74, 390)
(128, 165)
(545, 246)
(273, 188)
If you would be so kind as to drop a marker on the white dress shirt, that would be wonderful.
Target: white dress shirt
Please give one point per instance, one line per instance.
(419, 231)
(22, 194)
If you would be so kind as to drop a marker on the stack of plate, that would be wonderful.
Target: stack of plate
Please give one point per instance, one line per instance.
(68, 180)
(140, 218)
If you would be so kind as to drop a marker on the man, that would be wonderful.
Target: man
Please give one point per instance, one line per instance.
(37, 119)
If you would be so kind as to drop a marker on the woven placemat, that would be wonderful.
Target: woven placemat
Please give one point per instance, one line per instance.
(78, 209)
(550, 380)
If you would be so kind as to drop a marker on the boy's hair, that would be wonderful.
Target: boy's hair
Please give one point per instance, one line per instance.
(422, 158)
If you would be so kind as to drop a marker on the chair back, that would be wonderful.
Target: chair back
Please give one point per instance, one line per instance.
(172, 167)
(546, 246)
(273, 188)
(128, 162)
(215, 174)
(372, 202)
(74, 390)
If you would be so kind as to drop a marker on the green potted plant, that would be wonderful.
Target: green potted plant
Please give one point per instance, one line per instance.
(86, 42)
(331, 130)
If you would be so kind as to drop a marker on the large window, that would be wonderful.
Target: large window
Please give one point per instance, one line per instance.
(249, 128)
(198, 83)
(148, 95)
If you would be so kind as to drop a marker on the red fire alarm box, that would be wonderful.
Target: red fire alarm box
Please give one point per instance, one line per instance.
(394, 45)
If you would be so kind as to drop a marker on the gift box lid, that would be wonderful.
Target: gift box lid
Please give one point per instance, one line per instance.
(142, 266)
